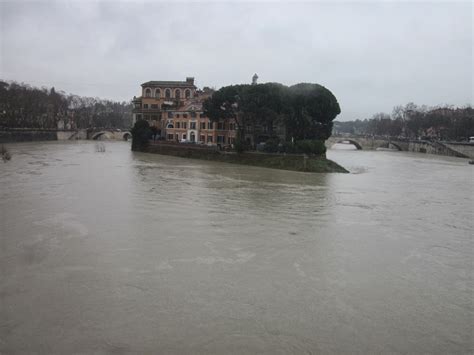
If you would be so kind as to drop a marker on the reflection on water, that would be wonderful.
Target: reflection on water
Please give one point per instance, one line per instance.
(126, 252)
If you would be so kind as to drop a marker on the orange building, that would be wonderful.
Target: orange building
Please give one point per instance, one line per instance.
(175, 109)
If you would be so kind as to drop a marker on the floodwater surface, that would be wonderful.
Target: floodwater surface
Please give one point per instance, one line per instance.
(122, 252)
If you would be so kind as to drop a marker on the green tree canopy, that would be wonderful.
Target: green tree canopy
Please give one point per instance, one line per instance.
(311, 111)
(306, 110)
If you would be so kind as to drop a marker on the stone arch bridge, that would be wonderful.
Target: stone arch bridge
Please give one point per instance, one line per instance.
(461, 150)
(110, 134)
(93, 134)
(369, 143)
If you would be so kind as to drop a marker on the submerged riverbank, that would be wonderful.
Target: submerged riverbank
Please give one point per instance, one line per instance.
(293, 162)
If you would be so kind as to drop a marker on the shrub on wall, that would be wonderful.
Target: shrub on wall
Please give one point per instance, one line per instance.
(141, 133)
(272, 145)
(311, 147)
(240, 145)
(306, 146)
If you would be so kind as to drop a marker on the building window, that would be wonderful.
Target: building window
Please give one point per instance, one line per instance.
(209, 139)
(168, 93)
(184, 136)
(177, 94)
(139, 116)
(147, 117)
(177, 137)
(170, 114)
(202, 115)
(187, 93)
(193, 114)
(203, 125)
(202, 138)
(145, 105)
(154, 117)
(177, 125)
(170, 137)
(155, 106)
(147, 92)
(192, 125)
(220, 125)
(157, 93)
(185, 125)
(232, 126)
(220, 139)
(177, 115)
(209, 125)
(185, 115)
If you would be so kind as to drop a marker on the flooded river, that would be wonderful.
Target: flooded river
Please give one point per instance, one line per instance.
(121, 252)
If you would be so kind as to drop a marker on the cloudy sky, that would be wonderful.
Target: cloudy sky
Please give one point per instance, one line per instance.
(371, 55)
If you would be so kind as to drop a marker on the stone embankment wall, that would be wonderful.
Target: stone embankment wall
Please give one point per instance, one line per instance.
(26, 136)
(437, 148)
(71, 135)
(466, 149)
(184, 150)
(295, 162)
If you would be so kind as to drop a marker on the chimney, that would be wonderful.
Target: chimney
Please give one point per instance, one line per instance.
(190, 80)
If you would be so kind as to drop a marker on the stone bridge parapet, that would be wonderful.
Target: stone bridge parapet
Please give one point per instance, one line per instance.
(455, 149)
(369, 143)
(109, 134)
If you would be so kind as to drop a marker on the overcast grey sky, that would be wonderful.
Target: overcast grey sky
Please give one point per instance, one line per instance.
(371, 55)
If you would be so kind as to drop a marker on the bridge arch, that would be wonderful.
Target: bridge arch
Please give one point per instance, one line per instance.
(351, 141)
(395, 145)
(98, 135)
(114, 134)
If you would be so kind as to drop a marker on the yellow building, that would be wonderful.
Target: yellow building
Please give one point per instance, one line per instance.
(175, 109)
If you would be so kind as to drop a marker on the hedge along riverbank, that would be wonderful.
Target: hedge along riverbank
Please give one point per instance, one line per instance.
(294, 162)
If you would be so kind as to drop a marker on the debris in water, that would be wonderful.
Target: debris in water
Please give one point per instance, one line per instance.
(5, 154)
(100, 147)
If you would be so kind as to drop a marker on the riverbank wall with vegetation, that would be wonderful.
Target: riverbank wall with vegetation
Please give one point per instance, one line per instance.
(294, 162)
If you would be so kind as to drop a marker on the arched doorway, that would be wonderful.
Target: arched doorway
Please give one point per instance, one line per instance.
(192, 137)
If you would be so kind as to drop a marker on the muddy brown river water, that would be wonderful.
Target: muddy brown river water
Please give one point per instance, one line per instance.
(121, 252)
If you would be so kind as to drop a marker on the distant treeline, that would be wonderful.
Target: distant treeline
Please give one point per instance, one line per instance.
(412, 121)
(23, 106)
